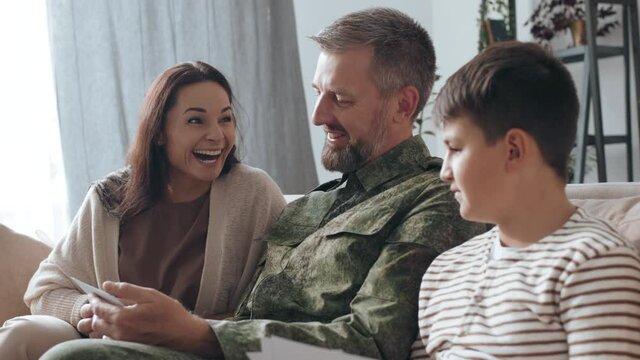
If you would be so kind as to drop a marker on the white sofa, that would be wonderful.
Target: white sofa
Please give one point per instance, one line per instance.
(619, 203)
(20, 255)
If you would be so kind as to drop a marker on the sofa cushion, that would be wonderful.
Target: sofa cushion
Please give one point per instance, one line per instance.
(622, 213)
(20, 256)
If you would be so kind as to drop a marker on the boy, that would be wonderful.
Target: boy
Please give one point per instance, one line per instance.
(548, 281)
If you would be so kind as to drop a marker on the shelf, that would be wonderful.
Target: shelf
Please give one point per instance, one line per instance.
(609, 139)
(576, 54)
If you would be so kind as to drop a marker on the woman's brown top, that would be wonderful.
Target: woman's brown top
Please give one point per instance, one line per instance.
(163, 248)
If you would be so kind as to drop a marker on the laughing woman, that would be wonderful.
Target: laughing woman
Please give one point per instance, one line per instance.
(185, 218)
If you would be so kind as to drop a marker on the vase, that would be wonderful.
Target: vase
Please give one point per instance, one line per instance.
(578, 32)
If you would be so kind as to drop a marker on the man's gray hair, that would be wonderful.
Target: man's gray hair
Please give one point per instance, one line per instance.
(403, 53)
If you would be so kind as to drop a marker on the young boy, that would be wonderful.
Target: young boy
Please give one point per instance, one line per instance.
(548, 281)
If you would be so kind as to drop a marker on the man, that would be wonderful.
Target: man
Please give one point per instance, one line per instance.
(344, 263)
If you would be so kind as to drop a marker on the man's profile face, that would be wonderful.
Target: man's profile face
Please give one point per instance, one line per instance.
(350, 109)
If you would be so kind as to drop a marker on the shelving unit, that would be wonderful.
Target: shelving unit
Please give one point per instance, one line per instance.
(590, 91)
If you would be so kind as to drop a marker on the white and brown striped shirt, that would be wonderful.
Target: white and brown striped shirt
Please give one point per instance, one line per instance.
(574, 294)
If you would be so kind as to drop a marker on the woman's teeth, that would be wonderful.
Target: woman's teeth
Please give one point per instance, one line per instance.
(208, 152)
(207, 156)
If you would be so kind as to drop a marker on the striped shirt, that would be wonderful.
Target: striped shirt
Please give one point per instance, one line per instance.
(574, 294)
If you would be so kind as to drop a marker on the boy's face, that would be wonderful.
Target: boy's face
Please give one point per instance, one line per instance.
(475, 170)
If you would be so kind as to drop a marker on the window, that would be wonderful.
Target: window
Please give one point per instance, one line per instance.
(32, 188)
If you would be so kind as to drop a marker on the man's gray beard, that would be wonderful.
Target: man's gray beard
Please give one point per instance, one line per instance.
(357, 152)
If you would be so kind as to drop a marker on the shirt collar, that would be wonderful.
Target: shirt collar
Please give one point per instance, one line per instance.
(408, 157)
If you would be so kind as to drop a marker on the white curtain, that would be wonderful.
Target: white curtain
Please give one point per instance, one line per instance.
(32, 188)
(107, 52)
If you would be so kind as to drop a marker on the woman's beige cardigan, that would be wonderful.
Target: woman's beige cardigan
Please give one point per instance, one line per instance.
(243, 204)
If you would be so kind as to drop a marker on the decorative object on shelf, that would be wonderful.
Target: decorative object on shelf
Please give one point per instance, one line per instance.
(553, 16)
(497, 21)
(579, 32)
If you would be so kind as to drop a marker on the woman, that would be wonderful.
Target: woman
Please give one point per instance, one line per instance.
(185, 217)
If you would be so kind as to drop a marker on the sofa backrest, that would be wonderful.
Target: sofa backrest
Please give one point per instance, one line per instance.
(618, 203)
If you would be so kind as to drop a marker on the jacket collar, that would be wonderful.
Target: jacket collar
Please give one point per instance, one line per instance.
(409, 157)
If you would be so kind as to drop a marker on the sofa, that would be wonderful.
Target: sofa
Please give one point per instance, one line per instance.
(19, 259)
(20, 255)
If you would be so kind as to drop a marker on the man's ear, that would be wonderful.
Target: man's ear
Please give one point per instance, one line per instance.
(407, 101)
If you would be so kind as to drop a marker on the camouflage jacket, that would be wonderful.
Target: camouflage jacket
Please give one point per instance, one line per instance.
(347, 277)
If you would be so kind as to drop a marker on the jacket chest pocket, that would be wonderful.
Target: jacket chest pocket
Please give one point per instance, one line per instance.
(347, 246)
(359, 221)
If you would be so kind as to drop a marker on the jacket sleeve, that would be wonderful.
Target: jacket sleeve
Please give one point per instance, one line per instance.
(383, 318)
(50, 292)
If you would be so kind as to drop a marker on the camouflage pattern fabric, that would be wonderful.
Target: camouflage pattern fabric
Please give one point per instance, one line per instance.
(350, 280)
(94, 349)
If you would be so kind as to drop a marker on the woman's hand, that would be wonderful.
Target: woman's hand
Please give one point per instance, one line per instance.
(153, 318)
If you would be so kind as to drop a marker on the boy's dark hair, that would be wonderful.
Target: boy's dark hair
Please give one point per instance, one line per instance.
(516, 85)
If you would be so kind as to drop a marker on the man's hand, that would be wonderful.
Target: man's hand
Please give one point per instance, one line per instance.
(153, 318)
(84, 325)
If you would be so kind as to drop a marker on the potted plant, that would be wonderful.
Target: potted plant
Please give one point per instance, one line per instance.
(553, 16)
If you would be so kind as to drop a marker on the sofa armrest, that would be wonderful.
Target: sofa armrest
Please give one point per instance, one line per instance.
(20, 256)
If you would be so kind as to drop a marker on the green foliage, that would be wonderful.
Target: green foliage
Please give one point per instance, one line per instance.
(553, 16)
(589, 164)
(425, 115)
(418, 125)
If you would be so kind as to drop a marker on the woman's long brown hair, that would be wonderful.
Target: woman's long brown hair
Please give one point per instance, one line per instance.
(147, 159)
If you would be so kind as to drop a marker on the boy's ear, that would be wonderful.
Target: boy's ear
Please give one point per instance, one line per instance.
(517, 146)
(407, 101)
